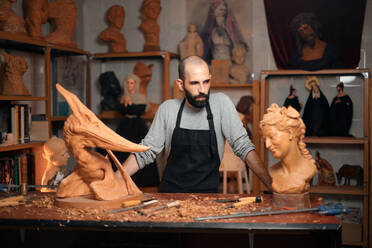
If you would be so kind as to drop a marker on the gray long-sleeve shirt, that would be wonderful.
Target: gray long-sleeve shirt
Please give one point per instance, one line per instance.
(227, 125)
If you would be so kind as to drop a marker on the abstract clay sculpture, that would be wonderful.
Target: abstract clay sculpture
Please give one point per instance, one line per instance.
(93, 174)
(35, 13)
(150, 11)
(115, 16)
(283, 132)
(56, 154)
(62, 15)
(192, 44)
(12, 76)
(239, 72)
(9, 20)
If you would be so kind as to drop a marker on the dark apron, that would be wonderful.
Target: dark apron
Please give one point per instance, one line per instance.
(193, 162)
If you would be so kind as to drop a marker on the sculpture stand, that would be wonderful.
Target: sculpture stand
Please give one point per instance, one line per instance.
(89, 201)
(295, 201)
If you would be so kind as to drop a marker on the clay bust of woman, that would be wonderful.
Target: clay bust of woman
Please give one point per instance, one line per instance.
(115, 16)
(150, 11)
(283, 131)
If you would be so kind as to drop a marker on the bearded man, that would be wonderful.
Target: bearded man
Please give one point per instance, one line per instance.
(193, 131)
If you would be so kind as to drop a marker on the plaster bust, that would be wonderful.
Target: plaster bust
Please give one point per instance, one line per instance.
(115, 16)
(239, 72)
(283, 131)
(192, 44)
(150, 11)
(9, 20)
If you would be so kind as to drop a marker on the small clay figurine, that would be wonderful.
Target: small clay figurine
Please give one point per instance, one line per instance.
(62, 15)
(110, 90)
(9, 20)
(192, 44)
(115, 16)
(131, 93)
(12, 78)
(326, 176)
(341, 113)
(150, 11)
(283, 132)
(55, 152)
(35, 13)
(350, 172)
(292, 100)
(239, 72)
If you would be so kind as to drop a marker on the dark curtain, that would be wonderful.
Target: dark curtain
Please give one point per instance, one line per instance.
(342, 25)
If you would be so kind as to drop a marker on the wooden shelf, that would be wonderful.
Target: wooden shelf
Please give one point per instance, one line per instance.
(58, 118)
(335, 140)
(354, 243)
(134, 55)
(21, 146)
(338, 190)
(22, 98)
(21, 42)
(320, 72)
(107, 115)
(216, 86)
(67, 51)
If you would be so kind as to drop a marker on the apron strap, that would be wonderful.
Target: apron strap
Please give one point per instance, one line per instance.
(212, 132)
(180, 113)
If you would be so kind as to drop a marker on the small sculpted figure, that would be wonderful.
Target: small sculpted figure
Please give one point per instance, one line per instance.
(93, 174)
(110, 91)
(62, 15)
(245, 111)
(115, 16)
(239, 72)
(348, 172)
(56, 153)
(326, 176)
(341, 113)
(150, 11)
(9, 20)
(35, 13)
(292, 100)
(283, 132)
(12, 76)
(132, 95)
(192, 44)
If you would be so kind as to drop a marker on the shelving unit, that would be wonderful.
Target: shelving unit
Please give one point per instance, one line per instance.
(274, 85)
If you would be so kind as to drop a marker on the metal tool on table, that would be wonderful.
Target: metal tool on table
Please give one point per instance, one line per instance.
(134, 202)
(8, 186)
(246, 201)
(168, 205)
(11, 201)
(330, 209)
(240, 199)
(145, 204)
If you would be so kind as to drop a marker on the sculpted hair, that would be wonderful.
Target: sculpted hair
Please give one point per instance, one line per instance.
(196, 60)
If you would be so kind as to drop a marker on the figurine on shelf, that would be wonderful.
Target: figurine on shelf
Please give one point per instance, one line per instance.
(283, 132)
(110, 90)
(316, 112)
(9, 20)
(245, 111)
(239, 72)
(115, 16)
(62, 15)
(292, 100)
(341, 113)
(350, 172)
(326, 176)
(35, 13)
(150, 11)
(12, 77)
(192, 44)
(56, 154)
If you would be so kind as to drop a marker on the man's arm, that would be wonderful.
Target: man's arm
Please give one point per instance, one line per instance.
(131, 165)
(256, 165)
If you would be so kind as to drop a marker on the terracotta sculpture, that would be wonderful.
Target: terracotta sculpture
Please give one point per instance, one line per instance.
(93, 174)
(55, 152)
(292, 100)
(12, 78)
(192, 44)
(35, 13)
(239, 72)
(326, 176)
(283, 132)
(350, 172)
(9, 20)
(150, 11)
(115, 16)
(62, 15)
(245, 112)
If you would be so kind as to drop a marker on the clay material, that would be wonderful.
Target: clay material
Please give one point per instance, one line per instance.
(35, 13)
(9, 20)
(150, 11)
(239, 72)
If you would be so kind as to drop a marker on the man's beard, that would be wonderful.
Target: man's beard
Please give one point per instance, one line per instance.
(195, 103)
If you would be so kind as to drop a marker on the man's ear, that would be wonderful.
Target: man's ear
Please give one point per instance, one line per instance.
(180, 84)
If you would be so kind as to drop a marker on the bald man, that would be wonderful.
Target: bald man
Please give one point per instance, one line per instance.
(193, 131)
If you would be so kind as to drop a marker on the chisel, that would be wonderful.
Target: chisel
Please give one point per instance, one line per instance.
(134, 202)
(168, 205)
(241, 199)
(133, 207)
(246, 201)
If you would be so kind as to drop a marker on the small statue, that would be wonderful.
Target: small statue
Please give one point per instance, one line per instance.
(56, 153)
(110, 90)
(326, 176)
(9, 20)
(239, 72)
(150, 11)
(341, 113)
(192, 44)
(115, 16)
(245, 111)
(12, 78)
(350, 172)
(292, 100)
(132, 94)
(62, 15)
(283, 132)
(35, 13)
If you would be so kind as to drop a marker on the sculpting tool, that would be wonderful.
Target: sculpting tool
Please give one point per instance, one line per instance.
(11, 201)
(145, 204)
(134, 202)
(248, 200)
(241, 199)
(168, 205)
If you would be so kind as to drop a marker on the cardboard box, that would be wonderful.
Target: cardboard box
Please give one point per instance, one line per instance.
(351, 232)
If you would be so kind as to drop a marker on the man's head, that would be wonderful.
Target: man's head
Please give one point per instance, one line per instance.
(194, 80)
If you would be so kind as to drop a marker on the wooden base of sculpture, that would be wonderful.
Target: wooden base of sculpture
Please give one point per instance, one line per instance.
(90, 202)
(295, 201)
